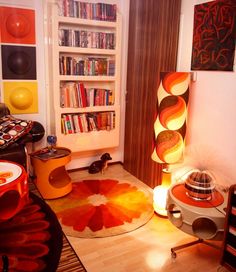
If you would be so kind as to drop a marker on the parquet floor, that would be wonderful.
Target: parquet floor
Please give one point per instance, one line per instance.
(146, 249)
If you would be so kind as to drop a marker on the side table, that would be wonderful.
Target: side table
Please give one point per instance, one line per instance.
(203, 219)
(52, 179)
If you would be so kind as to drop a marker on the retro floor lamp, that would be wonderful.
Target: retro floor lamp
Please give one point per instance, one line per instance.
(169, 129)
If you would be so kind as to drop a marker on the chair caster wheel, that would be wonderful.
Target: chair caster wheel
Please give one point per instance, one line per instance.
(173, 255)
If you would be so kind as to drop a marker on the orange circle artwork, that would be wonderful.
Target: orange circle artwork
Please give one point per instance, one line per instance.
(19, 25)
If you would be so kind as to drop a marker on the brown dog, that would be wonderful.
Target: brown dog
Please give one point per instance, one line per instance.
(101, 165)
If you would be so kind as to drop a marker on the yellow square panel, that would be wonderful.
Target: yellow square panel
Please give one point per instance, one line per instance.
(21, 97)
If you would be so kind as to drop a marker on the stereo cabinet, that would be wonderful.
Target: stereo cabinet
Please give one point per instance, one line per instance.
(228, 256)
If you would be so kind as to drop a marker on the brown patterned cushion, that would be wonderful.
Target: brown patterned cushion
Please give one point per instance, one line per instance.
(11, 129)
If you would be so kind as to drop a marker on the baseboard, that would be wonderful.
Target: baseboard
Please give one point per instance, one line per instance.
(86, 168)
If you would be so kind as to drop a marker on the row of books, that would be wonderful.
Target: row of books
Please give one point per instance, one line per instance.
(75, 95)
(86, 122)
(86, 66)
(85, 10)
(86, 39)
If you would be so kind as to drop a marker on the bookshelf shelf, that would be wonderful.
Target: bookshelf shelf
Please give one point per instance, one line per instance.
(85, 22)
(88, 109)
(97, 139)
(66, 82)
(87, 78)
(86, 51)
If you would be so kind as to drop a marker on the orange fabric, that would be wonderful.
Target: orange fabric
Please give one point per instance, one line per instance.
(180, 192)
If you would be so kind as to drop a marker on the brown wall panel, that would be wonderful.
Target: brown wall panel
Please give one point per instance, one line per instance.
(153, 44)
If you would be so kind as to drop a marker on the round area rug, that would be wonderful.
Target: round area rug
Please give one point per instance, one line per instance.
(101, 208)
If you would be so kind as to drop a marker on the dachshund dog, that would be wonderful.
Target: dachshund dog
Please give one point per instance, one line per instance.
(101, 165)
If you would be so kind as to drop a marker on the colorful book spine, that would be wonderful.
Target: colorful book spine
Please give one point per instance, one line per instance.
(86, 122)
(75, 95)
(85, 10)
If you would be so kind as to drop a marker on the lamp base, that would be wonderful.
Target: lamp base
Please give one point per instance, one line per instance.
(160, 210)
(160, 194)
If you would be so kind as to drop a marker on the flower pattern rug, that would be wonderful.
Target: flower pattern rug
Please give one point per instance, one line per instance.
(101, 208)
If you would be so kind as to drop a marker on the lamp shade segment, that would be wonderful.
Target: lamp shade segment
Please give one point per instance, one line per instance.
(170, 124)
(176, 83)
(169, 146)
(172, 112)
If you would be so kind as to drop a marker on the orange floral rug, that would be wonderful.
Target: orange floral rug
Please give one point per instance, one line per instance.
(101, 208)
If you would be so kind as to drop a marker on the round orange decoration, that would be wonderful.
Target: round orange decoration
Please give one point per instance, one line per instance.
(18, 25)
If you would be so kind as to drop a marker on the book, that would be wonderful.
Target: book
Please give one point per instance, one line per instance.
(83, 94)
(80, 123)
(85, 10)
(68, 124)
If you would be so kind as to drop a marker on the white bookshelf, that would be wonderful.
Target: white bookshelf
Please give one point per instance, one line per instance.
(92, 140)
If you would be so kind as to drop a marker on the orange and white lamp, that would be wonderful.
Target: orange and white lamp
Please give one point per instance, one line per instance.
(169, 129)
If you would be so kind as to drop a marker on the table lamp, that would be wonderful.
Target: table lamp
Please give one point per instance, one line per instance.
(169, 129)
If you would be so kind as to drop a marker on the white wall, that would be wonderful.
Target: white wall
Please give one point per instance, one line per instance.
(212, 108)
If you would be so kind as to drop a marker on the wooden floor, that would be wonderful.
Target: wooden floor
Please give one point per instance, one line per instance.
(146, 249)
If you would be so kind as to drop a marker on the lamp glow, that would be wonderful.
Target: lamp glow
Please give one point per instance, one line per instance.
(160, 193)
(159, 199)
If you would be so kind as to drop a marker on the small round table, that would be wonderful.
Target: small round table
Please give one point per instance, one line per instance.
(202, 219)
(52, 179)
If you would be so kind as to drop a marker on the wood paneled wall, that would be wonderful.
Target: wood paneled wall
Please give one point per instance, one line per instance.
(153, 44)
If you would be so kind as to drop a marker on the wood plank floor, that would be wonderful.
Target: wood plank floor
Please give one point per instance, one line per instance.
(146, 249)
